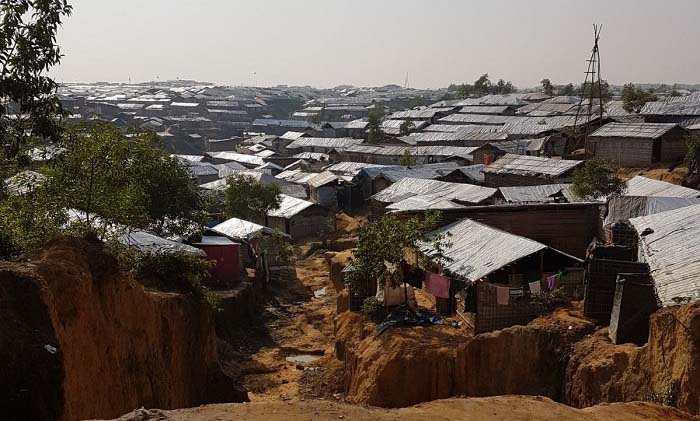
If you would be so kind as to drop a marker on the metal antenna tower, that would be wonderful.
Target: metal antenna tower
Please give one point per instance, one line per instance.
(593, 85)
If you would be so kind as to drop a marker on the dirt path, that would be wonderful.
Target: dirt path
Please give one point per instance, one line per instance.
(289, 354)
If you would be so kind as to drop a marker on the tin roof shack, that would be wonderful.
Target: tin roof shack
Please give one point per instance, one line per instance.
(420, 194)
(677, 110)
(638, 143)
(374, 179)
(520, 170)
(204, 172)
(225, 257)
(642, 186)
(545, 193)
(429, 115)
(323, 189)
(569, 227)
(321, 144)
(248, 161)
(621, 209)
(391, 155)
(151, 243)
(669, 242)
(254, 239)
(301, 219)
(493, 259)
(280, 127)
(223, 145)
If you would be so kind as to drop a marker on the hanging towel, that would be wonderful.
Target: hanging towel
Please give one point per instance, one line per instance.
(535, 287)
(552, 282)
(503, 296)
(437, 285)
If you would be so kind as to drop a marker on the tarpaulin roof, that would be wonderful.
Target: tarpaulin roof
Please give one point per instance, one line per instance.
(531, 165)
(624, 208)
(532, 194)
(290, 206)
(408, 187)
(476, 250)
(669, 242)
(642, 186)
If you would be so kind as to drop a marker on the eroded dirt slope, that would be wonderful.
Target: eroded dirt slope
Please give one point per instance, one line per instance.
(503, 408)
(666, 369)
(116, 346)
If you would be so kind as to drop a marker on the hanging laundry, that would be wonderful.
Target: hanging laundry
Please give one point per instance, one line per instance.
(412, 275)
(502, 296)
(437, 285)
(535, 287)
(552, 282)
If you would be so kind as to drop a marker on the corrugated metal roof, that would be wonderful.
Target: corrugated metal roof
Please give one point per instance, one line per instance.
(444, 151)
(312, 156)
(352, 168)
(324, 142)
(460, 136)
(477, 250)
(634, 130)
(289, 206)
(532, 194)
(624, 208)
(508, 99)
(237, 157)
(481, 109)
(531, 166)
(395, 173)
(293, 135)
(424, 202)
(672, 251)
(674, 106)
(408, 187)
(321, 179)
(241, 229)
(150, 243)
(642, 186)
(424, 114)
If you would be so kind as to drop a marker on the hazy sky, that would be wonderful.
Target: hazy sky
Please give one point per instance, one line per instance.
(374, 42)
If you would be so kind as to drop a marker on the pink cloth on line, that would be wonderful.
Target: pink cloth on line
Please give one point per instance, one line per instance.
(552, 282)
(503, 296)
(437, 285)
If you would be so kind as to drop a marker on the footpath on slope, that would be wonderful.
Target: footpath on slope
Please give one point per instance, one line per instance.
(287, 353)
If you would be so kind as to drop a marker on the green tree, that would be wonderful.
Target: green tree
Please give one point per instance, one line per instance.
(417, 101)
(407, 159)
(95, 176)
(113, 179)
(406, 128)
(633, 98)
(385, 241)
(374, 125)
(175, 204)
(27, 51)
(596, 90)
(595, 179)
(692, 157)
(482, 86)
(547, 87)
(28, 217)
(567, 90)
(503, 87)
(465, 90)
(248, 199)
